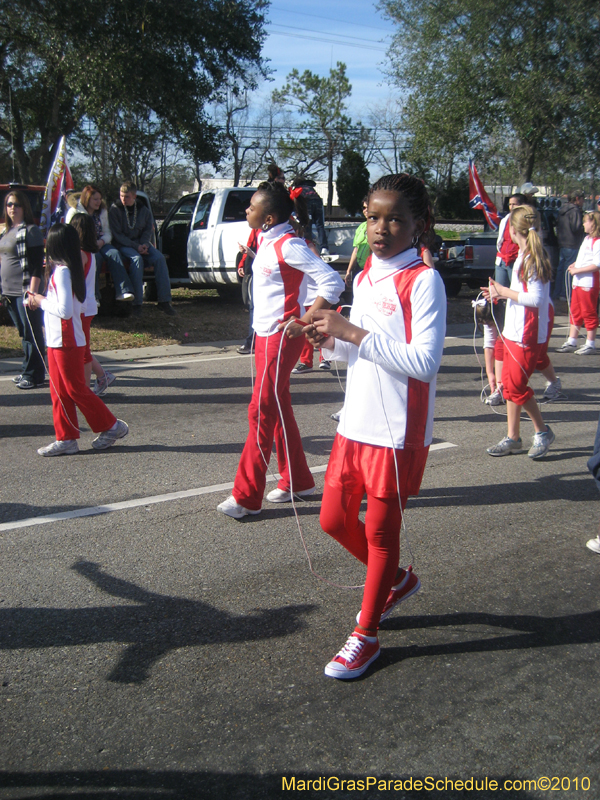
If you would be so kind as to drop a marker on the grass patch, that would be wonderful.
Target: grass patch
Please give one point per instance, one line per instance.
(202, 316)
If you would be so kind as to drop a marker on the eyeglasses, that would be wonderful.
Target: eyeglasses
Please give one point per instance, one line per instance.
(13, 205)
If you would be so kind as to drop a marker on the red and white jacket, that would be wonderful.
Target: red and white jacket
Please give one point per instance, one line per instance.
(62, 312)
(527, 318)
(588, 256)
(281, 270)
(507, 249)
(390, 389)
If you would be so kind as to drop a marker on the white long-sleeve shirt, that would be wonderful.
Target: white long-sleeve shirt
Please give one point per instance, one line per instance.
(526, 319)
(62, 311)
(279, 292)
(588, 256)
(390, 390)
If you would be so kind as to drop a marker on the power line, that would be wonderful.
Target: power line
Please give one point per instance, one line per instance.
(329, 19)
(329, 41)
(360, 39)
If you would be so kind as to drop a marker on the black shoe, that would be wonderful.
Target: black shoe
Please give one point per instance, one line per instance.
(136, 311)
(167, 308)
(245, 350)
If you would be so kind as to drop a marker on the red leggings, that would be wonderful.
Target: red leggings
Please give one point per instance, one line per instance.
(375, 542)
(69, 392)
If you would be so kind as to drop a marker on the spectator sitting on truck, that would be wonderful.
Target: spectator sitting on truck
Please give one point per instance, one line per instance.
(569, 232)
(507, 249)
(316, 212)
(131, 226)
(90, 202)
(276, 174)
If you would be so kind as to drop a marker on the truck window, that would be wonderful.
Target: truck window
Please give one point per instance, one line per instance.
(236, 205)
(203, 212)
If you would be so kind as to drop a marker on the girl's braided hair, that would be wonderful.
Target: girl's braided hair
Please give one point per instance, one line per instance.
(276, 200)
(414, 192)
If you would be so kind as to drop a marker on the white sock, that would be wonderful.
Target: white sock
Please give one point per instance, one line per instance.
(590, 343)
(572, 341)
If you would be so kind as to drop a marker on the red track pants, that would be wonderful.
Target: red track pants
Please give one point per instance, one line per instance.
(70, 392)
(265, 425)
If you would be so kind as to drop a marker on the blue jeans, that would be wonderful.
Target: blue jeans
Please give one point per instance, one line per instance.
(566, 257)
(117, 271)
(136, 273)
(503, 274)
(316, 214)
(29, 324)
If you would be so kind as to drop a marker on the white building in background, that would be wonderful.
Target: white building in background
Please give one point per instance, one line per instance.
(224, 183)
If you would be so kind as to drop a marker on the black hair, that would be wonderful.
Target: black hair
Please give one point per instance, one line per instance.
(273, 171)
(63, 247)
(86, 230)
(414, 192)
(520, 198)
(276, 201)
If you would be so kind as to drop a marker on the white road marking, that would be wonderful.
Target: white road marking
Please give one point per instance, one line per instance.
(125, 505)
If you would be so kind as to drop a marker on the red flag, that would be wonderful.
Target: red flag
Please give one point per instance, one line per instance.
(54, 208)
(478, 198)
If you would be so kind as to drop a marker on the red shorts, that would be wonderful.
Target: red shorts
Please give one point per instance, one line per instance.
(86, 324)
(356, 468)
(584, 307)
(518, 366)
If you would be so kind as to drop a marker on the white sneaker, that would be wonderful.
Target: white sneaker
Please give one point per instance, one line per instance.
(66, 447)
(594, 544)
(495, 399)
(553, 392)
(336, 415)
(232, 508)
(281, 496)
(567, 347)
(125, 296)
(107, 438)
(586, 350)
(325, 365)
(541, 443)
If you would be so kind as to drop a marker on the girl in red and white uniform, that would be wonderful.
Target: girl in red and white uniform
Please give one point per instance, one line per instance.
(525, 333)
(584, 297)
(281, 268)
(65, 342)
(393, 345)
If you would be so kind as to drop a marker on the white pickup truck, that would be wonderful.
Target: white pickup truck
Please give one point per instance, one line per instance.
(200, 237)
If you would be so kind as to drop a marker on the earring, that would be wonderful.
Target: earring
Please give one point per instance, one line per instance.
(265, 227)
(415, 241)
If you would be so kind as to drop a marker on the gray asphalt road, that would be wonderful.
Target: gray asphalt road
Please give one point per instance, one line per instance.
(163, 650)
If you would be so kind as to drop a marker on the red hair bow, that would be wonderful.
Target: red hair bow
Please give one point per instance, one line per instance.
(294, 193)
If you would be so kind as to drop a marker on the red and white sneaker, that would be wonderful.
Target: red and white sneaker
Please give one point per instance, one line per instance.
(408, 586)
(354, 657)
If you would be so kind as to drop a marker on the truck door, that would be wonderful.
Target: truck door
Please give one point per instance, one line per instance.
(232, 231)
(173, 237)
(199, 256)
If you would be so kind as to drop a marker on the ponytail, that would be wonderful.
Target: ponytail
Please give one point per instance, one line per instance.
(526, 221)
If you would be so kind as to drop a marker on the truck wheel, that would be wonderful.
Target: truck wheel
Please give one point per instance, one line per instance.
(452, 287)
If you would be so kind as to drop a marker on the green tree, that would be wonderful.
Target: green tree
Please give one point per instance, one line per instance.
(529, 66)
(321, 106)
(64, 60)
(352, 181)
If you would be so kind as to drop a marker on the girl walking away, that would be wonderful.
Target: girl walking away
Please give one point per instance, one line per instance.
(86, 231)
(66, 346)
(584, 298)
(281, 268)
(393, 344)
(526, 325)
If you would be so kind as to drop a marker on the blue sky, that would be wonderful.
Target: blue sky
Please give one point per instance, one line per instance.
(315, 35)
